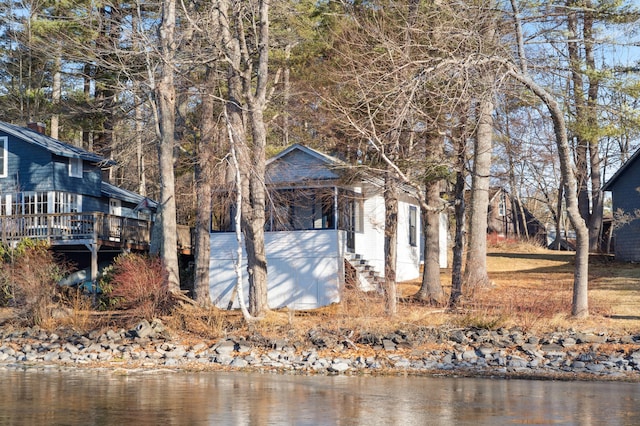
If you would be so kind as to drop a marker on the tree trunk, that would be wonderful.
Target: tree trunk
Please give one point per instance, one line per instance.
(580, 303)
(256, 253)
(431, 288)
(140, 163)
(203, 169)
(475, 271)
(165, 97)
(390, 244)
(558, 217)
(459, 215)
(56, 95)
(247, 86)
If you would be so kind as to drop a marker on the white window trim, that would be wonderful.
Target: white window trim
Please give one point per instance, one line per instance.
(75, 167)
(4, 142)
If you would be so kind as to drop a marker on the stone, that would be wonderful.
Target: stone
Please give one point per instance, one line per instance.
(142, 330)
(239, 363)
(339, 367)
(225, 347)
(388, 345)
(596, 368)
(469, 355)
(458, 336)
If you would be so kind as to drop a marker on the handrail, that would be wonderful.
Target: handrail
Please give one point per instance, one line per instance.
(67, 227)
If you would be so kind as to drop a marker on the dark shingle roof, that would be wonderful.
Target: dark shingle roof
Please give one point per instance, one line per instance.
(622, 170)
(52, 145)
(112, 191)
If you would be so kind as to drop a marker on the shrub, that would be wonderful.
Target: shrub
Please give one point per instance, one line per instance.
(138, 284)
(28, 280)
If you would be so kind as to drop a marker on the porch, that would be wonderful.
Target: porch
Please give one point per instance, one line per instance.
(60, 229)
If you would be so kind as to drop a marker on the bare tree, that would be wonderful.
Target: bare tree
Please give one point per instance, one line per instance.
(165, 102)
(475, 270)
(580, 304)
(431, 288)
(248, 56)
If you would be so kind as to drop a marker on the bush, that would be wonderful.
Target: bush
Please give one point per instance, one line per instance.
(28, 280)
(138, 284)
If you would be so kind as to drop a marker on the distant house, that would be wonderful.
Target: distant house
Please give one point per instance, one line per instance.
(507, 218)
(53, 191)
(624, 186)
(319, 225)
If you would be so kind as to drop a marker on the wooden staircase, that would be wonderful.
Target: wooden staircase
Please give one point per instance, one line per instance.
(367, 278)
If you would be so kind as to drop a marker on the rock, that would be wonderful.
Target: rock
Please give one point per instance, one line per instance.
(590, 338)
(551, 347)
(458, 337)
(339, 367)
(596, 368)
(405, 363)
(388, 345)
(225, 347)
(142, 330)
(517, 362)
(239, 363)
(469, 355)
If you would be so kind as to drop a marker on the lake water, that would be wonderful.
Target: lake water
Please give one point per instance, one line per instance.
(112, 397)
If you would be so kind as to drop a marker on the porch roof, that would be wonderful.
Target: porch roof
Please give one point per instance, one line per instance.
(299, 163)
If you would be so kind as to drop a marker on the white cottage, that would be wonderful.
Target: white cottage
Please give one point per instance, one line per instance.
(317, 227)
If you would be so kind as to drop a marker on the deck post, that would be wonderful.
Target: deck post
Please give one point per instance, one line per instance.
(93, 248)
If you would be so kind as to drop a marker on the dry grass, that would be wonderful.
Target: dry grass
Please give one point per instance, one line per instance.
(532, 289)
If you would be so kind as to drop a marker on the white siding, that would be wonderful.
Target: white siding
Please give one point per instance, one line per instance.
(408, 263)
(444, 240)
(305, 268)
(370, 243)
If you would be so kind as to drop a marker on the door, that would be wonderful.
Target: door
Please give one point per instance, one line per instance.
(115, 207)
(114, 223)
(351, 226)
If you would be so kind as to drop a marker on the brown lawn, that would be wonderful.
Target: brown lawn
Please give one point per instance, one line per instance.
(532, 289)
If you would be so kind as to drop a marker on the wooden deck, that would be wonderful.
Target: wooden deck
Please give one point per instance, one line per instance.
(77, 228)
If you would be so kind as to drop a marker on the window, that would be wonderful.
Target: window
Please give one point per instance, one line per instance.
(413, 226)
(75, 167)
(350, 211)
(502, 207)
(300, 209)
(65, 202)
(4, 157)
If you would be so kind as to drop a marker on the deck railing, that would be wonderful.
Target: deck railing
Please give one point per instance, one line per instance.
(67, 228)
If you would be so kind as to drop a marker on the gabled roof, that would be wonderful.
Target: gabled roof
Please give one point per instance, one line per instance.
(112, 191)
(300, 163)
(622, 170)
(52, 145)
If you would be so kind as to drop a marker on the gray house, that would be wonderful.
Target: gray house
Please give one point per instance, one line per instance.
(53, 191)
(625, 191)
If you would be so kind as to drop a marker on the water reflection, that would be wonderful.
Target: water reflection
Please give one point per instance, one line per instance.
(111, 397)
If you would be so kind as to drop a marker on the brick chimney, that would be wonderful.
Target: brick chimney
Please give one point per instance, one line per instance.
(38, 127)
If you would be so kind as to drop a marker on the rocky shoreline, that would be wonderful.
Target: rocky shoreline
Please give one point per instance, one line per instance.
(420, 351)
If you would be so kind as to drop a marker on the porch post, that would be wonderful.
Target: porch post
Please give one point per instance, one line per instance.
(335, 207)
(93, 248)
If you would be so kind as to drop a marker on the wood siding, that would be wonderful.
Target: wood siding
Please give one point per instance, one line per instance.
(33, 168)
(305, 269)
(370, 242)
(626, 198)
